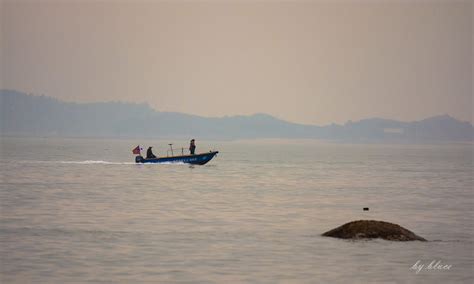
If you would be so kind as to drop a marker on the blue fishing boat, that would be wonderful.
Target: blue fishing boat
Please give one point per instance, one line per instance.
(197, 159)
(194, 159)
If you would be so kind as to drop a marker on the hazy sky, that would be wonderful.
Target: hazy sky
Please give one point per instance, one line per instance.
(312, 62)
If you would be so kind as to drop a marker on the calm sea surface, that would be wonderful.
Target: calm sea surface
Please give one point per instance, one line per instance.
(78, 210)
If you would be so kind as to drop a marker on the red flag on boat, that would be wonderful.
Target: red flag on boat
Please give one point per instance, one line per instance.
(136, 151)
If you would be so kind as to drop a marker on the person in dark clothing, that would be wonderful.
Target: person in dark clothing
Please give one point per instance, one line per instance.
(149, 153)
(192, 147)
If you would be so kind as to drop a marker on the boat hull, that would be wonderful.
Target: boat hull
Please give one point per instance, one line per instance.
(198, 159)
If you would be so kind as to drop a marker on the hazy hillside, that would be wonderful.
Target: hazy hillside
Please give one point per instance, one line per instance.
(28, 115)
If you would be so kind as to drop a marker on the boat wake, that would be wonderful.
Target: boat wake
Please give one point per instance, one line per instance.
(86, 162)
(99, 162)
(93, 162)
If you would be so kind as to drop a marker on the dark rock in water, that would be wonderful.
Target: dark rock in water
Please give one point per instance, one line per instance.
(370, 229)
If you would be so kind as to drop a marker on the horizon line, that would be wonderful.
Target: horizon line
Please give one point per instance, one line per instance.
(232, 115)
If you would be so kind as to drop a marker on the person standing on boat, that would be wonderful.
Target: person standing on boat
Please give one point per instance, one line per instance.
(192, 147)
(149, 154)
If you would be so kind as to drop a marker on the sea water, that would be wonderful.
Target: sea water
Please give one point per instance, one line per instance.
(78, 210)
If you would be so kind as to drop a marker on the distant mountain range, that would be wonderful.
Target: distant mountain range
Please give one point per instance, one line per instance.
(28, 115)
